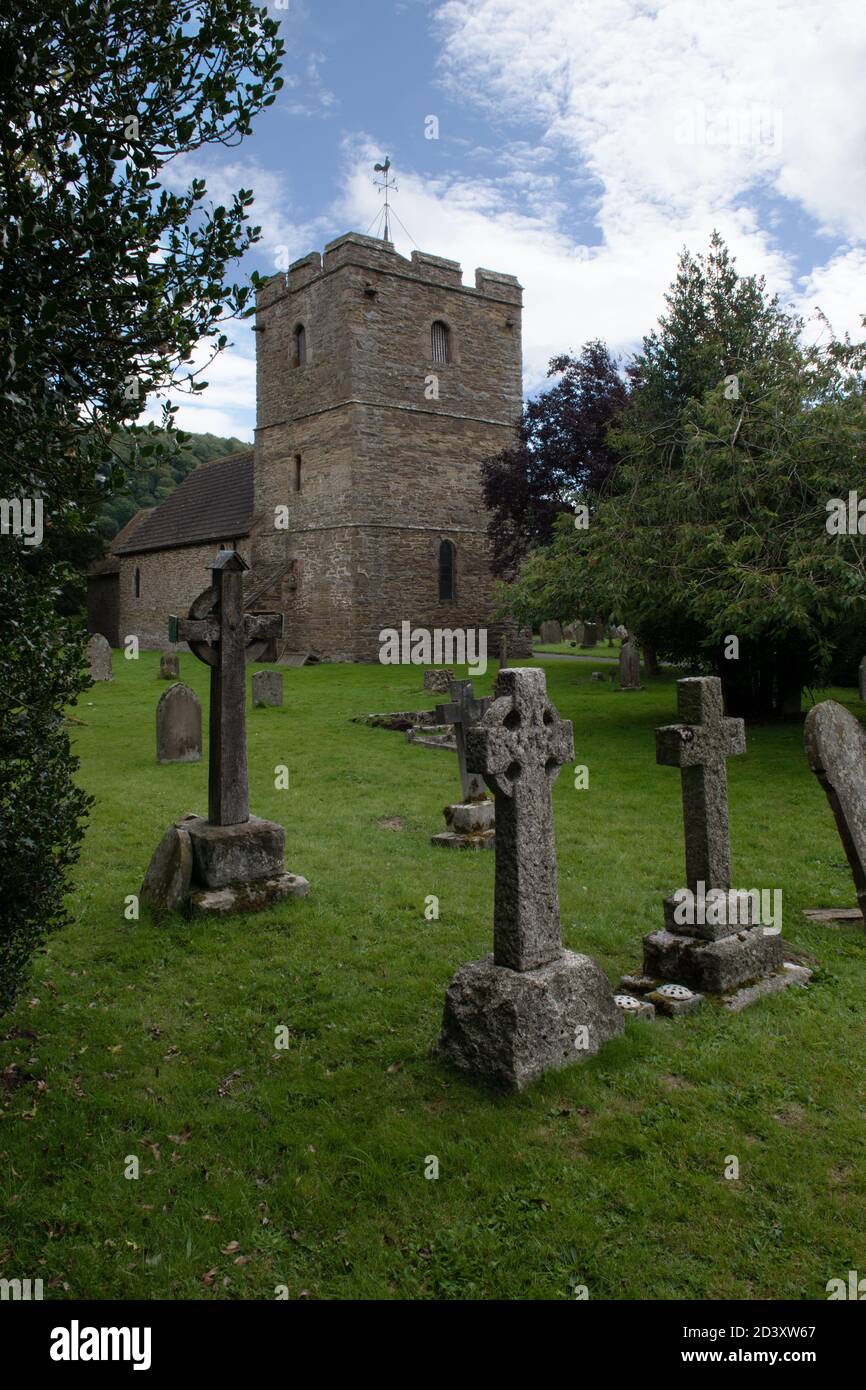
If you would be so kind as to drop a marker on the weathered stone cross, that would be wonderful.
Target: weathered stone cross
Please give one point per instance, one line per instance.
(518, 746)
(220, 634)
(699, 747)
(464, 711)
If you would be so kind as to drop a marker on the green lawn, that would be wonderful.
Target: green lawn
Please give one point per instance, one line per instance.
(568, 649)
(305, 1167)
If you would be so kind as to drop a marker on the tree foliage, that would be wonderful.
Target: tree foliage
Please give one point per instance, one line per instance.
(713, 523)
(561, 455)
(111, 271)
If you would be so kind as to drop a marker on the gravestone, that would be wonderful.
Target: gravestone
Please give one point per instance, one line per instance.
(178, 726)
(268, 688)
(438, 680)
(836, 750)
(718, 945)
(861, 679)
(99, 658)
(590, 635)
(169, 874)
(551, 631)
(471, 821)
(530, 1006)
(169, 666)
(238, 863)
(629, 666)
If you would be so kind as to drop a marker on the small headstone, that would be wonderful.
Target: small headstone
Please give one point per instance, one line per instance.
(99, 658)
(861, 679)
(178, 726)
(836, 749)
(268, 688)
(579, 632)
(629, 666)
(531, 1006)
(597, 676)
(169, 666)
(590, 634)
(551, 631)
(438, 680)
(167, 881)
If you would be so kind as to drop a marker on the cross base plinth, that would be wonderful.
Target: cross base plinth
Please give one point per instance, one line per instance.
(224, 854)
(506, 1028)
(713, 967)
(471, 825)
(219, 870)
(235, 898)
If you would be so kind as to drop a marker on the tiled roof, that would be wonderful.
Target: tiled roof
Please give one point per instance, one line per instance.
(214, 503)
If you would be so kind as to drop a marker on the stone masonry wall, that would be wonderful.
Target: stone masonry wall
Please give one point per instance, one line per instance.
(170, 580)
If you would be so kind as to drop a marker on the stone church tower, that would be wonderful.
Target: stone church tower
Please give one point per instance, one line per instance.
(382, 383)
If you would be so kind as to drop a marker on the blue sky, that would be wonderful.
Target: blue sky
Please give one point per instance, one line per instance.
(581, 144)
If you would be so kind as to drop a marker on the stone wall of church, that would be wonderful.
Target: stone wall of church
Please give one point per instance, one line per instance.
(169, 581)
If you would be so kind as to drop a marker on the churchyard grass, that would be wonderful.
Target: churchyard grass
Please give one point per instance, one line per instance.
(305, 1167)
(566, 649)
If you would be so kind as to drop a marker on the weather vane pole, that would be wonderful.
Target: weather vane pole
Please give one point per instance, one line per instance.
(386, 183)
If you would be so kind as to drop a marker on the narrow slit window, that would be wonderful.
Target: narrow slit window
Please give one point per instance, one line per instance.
(440, 335)
(136, 582)
(297, 472)
(300, 345)
(446, 572)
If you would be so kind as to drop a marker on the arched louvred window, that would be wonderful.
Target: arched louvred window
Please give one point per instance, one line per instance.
(446, 571)
(300, 345)
(439, 336)
(136, 582)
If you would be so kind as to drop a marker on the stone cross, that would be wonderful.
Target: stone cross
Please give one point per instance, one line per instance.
(699, 747)
(518, 746)
(220, 634)
(464, 711)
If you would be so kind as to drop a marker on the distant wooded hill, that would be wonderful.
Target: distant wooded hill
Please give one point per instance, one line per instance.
(149, 486)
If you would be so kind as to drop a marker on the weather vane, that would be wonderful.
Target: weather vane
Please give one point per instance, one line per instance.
(386, 183)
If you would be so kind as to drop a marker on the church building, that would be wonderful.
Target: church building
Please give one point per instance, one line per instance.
(382, 383)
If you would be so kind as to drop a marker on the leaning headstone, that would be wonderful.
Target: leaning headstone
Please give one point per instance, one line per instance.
(712, 941)
(268, 688)
(471, 821)
(836, 749)
(438, 680)
(861, 679)
(531, 1006)
(178, 726)
(167, 881)
(237, 860)
(629, 666)
(551, 631)
(169, 666)
(99, 658)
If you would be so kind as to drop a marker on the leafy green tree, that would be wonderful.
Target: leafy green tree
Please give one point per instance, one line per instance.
(710, 540)
(108, 280)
